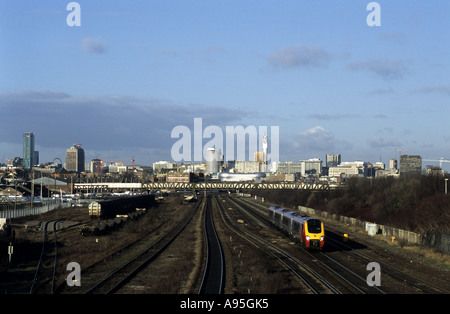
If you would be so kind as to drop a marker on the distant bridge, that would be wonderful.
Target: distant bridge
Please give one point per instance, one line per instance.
(105, 186)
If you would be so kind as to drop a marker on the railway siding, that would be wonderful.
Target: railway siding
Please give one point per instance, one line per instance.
(249, 269)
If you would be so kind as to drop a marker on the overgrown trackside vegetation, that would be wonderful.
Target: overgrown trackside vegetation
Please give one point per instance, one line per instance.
(414, 203)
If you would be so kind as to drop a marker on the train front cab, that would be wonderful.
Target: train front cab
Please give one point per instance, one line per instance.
(313, 234)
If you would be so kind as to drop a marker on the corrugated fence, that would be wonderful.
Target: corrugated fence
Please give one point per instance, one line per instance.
(11, 210)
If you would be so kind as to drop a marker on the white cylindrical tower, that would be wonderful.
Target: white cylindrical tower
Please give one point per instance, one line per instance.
(214, 159)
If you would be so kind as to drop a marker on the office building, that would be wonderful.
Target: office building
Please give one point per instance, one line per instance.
(96, 166)
(28, 150)
(75, 158)
(259, 157)
(214, 160)
(333, 160)
(117, 167)
(289, 167)
(14, 162)
(393, 163)
(36, 158)
(410, 165)
(241, 166)
(311, 167)
(164, 166)
(348, 169)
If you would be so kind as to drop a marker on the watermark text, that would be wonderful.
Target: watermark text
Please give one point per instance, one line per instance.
(239, 142)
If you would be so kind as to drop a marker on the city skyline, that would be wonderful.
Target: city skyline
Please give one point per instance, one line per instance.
(75, 160)
(131, 72)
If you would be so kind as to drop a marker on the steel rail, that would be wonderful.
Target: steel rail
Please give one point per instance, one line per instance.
(336, 273)
(33, 287)
(394, 272)
(142, 259)
(282, 256)
(212, 282)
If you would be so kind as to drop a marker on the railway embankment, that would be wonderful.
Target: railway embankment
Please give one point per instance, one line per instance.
(436, 240)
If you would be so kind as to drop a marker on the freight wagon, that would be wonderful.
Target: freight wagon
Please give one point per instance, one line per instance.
(120, 205)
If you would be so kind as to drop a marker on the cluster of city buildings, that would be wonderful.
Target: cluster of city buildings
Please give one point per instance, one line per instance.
(332, 169)
(75, 160)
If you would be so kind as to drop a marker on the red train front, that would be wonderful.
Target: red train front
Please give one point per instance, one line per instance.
(307, 230)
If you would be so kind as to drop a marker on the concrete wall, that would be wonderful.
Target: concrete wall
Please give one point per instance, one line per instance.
(437, 240)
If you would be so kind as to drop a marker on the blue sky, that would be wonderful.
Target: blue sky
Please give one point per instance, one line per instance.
(134, 70)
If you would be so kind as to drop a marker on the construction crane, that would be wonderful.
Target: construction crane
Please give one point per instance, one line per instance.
(439, 160)
(400, 149)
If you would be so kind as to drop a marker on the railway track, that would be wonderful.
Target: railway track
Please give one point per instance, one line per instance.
(343, 278)
(410, 281)
(312, 281)
(213, 275)
(97, 282)
(44, 278)
(354, 253)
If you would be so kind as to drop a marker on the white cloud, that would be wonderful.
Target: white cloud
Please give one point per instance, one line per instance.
(314, 139)
(440, 89)
(93, 45)
(299, 56)
(383, 68)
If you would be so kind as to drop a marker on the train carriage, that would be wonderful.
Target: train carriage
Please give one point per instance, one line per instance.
(307, 230)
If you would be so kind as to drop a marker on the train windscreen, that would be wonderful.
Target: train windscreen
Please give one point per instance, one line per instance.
(314, 226)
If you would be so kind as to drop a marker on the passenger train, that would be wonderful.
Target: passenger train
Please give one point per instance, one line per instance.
(307, 230)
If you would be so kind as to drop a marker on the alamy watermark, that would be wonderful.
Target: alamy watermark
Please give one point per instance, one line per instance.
(374, 17)
(374, 277)
(74, 277)
(190, 146)
(74, 17)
